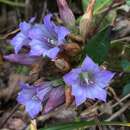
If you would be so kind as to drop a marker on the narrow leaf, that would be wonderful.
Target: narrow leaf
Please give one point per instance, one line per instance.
(82, 124)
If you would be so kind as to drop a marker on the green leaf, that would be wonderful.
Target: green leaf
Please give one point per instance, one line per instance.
(126, 89)
(97, 47)
(82, 124)
(84, 4)
(100, 4)
(128, 2)
(125, 64)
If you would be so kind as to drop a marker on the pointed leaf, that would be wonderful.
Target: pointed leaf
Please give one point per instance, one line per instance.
(97, 47)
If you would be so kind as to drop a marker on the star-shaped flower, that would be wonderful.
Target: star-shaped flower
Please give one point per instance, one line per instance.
(88, 81)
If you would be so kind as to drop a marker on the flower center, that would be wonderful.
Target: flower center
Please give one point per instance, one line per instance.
(51, 41)
(86, 78)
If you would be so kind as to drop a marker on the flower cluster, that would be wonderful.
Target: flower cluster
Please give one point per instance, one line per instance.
(88, 81)
(42, 39)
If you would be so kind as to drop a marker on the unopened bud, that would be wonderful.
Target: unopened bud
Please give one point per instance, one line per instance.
(56, 98)
(76, 38)
(66, 13)
(72, 49)
(62, 64)
(22, 59)
(86, 20)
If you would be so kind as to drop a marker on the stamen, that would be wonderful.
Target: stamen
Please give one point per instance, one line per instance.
(51, 41)
(86, 78)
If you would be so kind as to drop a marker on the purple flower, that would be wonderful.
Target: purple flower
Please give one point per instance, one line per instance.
(56, 98)
(43, 39)
(88, 81)
(22, 59)
(66, 13)
(47, 38)
(32, 97)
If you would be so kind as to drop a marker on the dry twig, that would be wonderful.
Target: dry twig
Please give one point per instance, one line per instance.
(118, 113)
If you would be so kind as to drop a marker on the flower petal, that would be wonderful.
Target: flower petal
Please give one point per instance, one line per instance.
(21, 59)
(39, 32)
(62, 32)
(25, 94)
(56, 98)
(25, 27)
(103, 78)
(52, 53)
(37, 47)
(33, 107)
(72, 77)
(79, 93)
(18, 41)
(99, 93)
(89, 65)
(43, 91)
(32, 19)
(89, 92)
(49, 24)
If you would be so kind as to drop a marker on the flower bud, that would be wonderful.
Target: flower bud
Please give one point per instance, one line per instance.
(66, 13)
(21, 59)
(56, 98)
(86, 20)
(76, 38)
(62, 64)
(72, 49)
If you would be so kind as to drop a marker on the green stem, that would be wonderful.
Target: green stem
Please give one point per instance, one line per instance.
(11, 3)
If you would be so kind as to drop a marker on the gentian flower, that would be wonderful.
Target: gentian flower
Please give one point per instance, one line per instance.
(47, 38)
(32, 97)
(88, 81)
(66, 13)
(22, 59)
(43, 39)
(56, 98)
